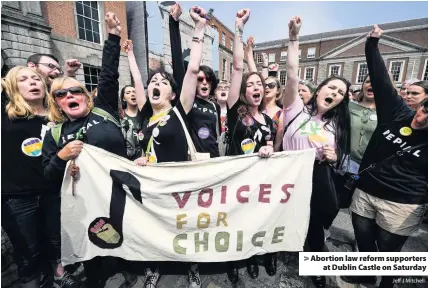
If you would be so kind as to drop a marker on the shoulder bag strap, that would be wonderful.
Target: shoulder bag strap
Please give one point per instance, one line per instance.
(191, 146)
(106, 115)
(56, 132)
(291, 121)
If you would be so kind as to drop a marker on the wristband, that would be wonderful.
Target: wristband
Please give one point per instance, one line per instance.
(297, 39)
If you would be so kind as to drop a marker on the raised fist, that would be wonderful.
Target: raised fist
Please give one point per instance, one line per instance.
(71, 67)
(294, 27)
(250, 42)
(175, 11)
(127, 46)
(265, 59)
(242, 17)
(113, 24)
(376, 32)
(198, 15)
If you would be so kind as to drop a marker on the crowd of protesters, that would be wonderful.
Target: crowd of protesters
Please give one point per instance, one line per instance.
(376, 135)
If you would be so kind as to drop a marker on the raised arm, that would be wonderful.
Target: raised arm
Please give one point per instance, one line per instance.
(108, 84)
(188, 92)
(136, 75)
(176, 49)
(252, 67)
(279, 133)
(238, 57)
(291, 87)
(389, 105)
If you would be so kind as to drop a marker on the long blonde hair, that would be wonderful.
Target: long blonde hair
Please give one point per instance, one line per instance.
(17, 106)
(55, 113)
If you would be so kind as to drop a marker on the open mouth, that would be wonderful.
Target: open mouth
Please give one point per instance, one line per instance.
(223, 94)
(35, 90)
(256, 96)
(370, 91)
(156, 94)
(133, 99)
(73, 105)
(204, 89)
(328, 100)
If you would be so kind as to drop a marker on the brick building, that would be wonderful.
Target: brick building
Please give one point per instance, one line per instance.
(65, 29)
(225, 48)
(404, 47)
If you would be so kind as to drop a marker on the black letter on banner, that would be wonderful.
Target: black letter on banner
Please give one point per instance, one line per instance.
(107, 232)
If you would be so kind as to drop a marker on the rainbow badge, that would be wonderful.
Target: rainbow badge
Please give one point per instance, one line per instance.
(32, 147)
(248, 146)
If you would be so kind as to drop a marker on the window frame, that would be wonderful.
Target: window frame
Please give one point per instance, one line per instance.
(223, 39)
(283, 58)
(313, 73)
(334, 65)
(269, 56)
(400, 76)
(90, 75)
(358, 72)
(223, 69)
(101, 27)
(425, 71)
(281, 74)
(230, 70)
(259, 58)
(315, 52)
(231, 43)
(300, 53)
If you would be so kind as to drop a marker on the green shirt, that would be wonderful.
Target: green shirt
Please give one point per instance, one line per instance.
(363, 123)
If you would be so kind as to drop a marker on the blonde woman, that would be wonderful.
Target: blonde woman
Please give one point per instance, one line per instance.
(29, 203)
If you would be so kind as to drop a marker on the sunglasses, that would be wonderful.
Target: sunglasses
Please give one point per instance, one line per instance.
(52, 66)
(63, 92)
(201, 79)
(271, 85)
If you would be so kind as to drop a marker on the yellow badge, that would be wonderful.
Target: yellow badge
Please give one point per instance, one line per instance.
(406, 131)
(152, 158)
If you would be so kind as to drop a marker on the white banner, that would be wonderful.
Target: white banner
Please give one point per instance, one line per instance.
(217, 210)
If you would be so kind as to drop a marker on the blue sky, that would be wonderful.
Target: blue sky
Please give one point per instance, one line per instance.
(268, 20)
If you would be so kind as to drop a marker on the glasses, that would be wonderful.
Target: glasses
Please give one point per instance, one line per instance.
(224, 88)
(63, 92)
(52, 66)
(201, 79)
(271, 85)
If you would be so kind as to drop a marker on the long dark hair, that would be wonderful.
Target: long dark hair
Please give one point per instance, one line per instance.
(338, 117)
(422, 84)
(244, 88)
(122, 96)
(209, 74)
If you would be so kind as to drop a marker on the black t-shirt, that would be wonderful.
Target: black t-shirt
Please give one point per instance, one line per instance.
(96, 130)
(245, 134)
(21, 150)
(131, 126)
(203, 119)
(169, 141)
(402, 179)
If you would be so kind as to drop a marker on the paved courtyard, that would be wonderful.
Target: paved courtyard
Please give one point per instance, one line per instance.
(213, 275)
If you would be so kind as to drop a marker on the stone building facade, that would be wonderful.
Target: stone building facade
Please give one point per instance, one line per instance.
(404, 47)
(65, 29)
(225, 48)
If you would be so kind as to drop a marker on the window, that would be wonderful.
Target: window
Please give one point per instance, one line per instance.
(425, 71)
(231, 43)
(396, 69)
(298, 73)
(283, 56)
(259, 58)
(271, 57)
(309, 73)
(91, 77)
(88, 21)
(334, 70)
(311, 52)
(223, 39)
(362, 71)
(300, 53)
(223, 69)
(282, 77)
(231, 71)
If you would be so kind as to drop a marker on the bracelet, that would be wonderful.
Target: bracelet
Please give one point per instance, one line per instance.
(197, 39)
(265, 67)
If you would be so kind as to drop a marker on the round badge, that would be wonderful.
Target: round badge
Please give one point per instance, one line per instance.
(152, 158)
(406, 131)
(373, 117)
(248, 146)
(248, 121)
(203, 133)
(267, 138)
(140, 136)
(32, 147)
(162, 123)
(156, 132)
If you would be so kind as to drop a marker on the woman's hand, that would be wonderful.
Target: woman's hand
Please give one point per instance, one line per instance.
(142, 161)
(294, 27)
(71, 150)
(74, 170)
(329, 154)
(376, 32)
(175, 11)
(266, 151)
(250, 43)
(241, 18)
(128, 46)
(112, 24)
(198, 16)
(265, 59)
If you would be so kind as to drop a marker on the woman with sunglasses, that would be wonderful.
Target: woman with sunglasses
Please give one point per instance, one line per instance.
(322, 124)
(72, 105)
(249, 130)
(30, 203)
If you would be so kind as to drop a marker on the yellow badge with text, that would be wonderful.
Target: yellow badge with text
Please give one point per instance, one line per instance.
(406, 131)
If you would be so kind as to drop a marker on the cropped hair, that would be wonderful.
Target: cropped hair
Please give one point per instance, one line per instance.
(35, 58)
(165, 75)
(17, 106)
(209, 74)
